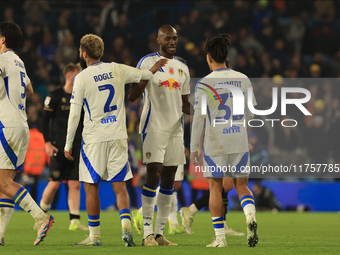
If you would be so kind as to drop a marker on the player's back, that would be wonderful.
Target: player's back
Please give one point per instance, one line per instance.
(102, 88)
(13, 84)
(223, 138)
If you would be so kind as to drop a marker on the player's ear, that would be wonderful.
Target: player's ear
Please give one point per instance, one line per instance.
(3, 40)
(158, 41)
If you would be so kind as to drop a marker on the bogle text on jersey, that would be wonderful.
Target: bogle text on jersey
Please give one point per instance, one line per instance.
(101, 89)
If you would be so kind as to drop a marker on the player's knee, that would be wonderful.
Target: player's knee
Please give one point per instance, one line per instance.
(54, 186)
(74, 185)
(228, 184)
(119, 188)
(152, 177)
(240, 183)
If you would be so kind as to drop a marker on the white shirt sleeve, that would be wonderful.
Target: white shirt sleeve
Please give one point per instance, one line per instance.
(197, 123)
(77, 100)
(132, 74)
(78, 92)
(72, 125)
(186, 85)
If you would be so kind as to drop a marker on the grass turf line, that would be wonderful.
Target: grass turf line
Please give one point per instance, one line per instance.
(282, 233)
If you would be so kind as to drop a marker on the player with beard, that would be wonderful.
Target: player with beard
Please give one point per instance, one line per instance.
(165, 99)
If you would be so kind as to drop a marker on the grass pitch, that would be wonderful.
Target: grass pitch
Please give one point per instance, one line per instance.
(282, 233)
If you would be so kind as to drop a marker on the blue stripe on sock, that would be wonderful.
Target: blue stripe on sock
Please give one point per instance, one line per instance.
(125, 214)
(166, 191)
(149, 191)
(93, 220)
(218, 222)
(94, 224)
(246, 196)
(220, 225)
(246, 200)
(19, 195)
(218, 219)
(93, 217)
(7, 203)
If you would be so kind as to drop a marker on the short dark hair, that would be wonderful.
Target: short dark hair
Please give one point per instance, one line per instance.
(12, 32)
(70, 68)
(218, 48)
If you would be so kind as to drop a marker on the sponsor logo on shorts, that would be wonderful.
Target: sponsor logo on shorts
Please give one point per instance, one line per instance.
(56, 174)
(148, 154)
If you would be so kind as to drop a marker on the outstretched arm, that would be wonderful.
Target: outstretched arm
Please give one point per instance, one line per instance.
(136, 89)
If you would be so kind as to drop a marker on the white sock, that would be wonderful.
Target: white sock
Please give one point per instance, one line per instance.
(148, 204)
(6, 210)
(173, 211)
(249, 211)
(218, 224)
(125, 218)
(248, 204)
(45, 207)
(94, 232)
(94, 226)
(193, 209)
(164, 206)
(27, 203)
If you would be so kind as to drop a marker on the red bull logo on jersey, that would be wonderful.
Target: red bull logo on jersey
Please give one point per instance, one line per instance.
(170, 84)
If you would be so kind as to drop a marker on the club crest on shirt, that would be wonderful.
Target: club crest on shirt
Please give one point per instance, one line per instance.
(63, 100)
(148, 154)
(47, 101)
(171, 70)
(180, 72)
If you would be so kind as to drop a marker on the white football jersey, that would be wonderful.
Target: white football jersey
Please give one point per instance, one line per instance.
(101, 89)
(13, 82)
(162, 111)
(223, 138)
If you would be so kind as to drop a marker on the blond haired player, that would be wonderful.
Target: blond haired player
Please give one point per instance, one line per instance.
(104, 154)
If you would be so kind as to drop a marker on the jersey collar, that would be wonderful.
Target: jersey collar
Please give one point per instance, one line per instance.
(6, 51)
(97, 63)
(222, 69)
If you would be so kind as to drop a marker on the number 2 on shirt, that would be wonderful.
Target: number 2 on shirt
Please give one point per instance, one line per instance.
(107, 107)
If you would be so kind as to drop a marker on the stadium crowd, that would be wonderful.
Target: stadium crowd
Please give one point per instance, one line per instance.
(271, 41)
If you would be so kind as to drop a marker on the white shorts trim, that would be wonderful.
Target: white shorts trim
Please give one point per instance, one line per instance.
(179, 173)
(161, 148)
(229, 165)
(106, 161)
(13, 147)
